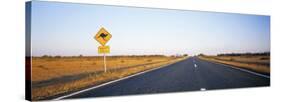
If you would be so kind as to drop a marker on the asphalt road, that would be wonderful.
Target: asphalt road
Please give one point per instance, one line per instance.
(192, 74)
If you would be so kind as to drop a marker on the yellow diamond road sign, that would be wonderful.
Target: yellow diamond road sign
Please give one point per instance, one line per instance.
(104, 49)
(103, 36)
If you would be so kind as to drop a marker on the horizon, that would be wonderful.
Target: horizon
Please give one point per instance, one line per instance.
(68, 29)
(147, 55)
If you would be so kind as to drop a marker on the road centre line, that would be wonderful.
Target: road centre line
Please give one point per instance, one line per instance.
(202, 89)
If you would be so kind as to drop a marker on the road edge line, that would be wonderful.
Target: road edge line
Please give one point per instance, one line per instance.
(113, 81)
(241, 69)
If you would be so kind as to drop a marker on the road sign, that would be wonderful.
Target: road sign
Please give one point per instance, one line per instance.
(103, 49)
(103, 36)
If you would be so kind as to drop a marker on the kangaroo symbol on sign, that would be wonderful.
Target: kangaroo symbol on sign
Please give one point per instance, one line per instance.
(103, 35)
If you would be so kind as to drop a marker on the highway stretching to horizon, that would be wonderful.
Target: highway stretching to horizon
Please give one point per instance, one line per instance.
(191, 74)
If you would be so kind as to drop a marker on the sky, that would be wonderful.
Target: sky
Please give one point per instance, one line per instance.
(68, 29)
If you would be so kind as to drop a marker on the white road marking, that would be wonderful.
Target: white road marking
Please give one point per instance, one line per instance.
(195, 65)
(110, 82)
(202, 89)
(244, 70)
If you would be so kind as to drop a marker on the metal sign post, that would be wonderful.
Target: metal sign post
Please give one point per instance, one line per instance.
(104, 62)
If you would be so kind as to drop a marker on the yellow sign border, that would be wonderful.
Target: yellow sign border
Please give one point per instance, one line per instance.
(103, 41)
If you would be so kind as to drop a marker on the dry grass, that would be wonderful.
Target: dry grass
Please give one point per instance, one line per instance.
(256, 63)
(49, 68)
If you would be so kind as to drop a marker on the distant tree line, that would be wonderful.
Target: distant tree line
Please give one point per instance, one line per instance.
(58, 56)
(245, 54)
(113, 56)
(48, 56)
(201, 54)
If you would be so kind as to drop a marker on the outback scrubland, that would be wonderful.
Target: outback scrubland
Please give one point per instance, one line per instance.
(258, 62)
